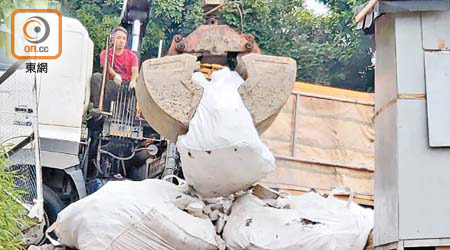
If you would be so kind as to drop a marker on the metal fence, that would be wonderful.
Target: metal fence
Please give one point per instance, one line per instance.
(18, 127)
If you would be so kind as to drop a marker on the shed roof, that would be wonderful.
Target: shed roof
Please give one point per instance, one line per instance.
(367, 13)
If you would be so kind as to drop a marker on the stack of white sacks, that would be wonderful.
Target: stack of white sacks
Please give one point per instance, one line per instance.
(222, 157)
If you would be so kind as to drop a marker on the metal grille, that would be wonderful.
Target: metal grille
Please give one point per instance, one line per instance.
(26, 174)
(18, 120)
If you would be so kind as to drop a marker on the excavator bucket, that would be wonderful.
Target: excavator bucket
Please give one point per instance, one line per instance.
(168, 98)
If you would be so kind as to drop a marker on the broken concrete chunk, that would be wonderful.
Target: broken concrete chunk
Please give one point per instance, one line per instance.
(227, 206)
(213, 207)
(183, 201)
(220, 224)
(207, 209)
(283, 204)
(220, 243)
(271, 202)
(264, 192)
(216, 200)
(214, 215)
(195, 209)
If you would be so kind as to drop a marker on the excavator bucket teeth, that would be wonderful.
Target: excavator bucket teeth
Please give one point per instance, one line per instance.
(269, 80)
(166, 94)
(168, 98)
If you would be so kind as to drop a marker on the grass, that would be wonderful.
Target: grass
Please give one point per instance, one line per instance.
(13, 216)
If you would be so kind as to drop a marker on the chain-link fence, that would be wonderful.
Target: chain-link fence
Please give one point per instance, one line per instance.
(18, 123)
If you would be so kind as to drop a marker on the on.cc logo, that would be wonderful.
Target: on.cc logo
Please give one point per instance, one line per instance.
(33, 29)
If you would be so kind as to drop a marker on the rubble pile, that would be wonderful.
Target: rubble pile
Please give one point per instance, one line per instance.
(218, 206)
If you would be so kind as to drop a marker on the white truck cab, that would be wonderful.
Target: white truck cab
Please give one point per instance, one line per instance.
(62, 98)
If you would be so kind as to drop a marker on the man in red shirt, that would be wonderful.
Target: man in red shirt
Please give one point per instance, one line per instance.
(123, 70)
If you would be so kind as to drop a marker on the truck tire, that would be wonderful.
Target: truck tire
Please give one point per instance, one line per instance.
(52, 204)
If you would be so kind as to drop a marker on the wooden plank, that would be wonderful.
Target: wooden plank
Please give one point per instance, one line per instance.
(369, 7)
(360, 201)
(389, 246)
(369, 244)
(321, 90)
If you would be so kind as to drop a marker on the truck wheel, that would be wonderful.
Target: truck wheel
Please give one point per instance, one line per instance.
(52, 204)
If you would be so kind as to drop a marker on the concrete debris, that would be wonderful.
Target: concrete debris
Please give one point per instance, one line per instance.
(220, 224)
(301, 222)
(214, 215)
(263, 220)
(227, 206)
(151, 218)
(283, 204)
(196, 209)
(217, 207)
(264, 192)
(183, 201)
(207, 209)
(221, 243)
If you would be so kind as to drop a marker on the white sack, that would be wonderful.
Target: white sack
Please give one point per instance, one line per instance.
(133, 215)
(222, 153)
(253, 225)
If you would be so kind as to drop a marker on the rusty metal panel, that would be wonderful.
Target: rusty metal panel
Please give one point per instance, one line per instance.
(436, 30)
(438, 97)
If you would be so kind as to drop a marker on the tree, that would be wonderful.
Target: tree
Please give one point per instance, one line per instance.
(358, 65)
(98, 16)
(6, 9)
(328, 49)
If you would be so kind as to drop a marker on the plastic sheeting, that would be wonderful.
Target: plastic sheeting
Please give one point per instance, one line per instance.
(324, 138)
(306, 222)
(133, 215)
(222, 153)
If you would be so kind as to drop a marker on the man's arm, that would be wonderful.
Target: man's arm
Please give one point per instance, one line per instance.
(134, 70)
(111, 72)
(134, 73)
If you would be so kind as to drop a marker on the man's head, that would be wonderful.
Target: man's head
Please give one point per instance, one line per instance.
(120, 35)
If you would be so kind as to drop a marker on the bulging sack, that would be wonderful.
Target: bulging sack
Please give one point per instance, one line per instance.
(307, 222)
(133, 215)
(222, 152)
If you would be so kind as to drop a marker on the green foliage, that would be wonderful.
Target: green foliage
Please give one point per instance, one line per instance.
(357, 64)
(168, 19)
(328, 49)
(99, 17)
(13, 216)
(6, 9)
